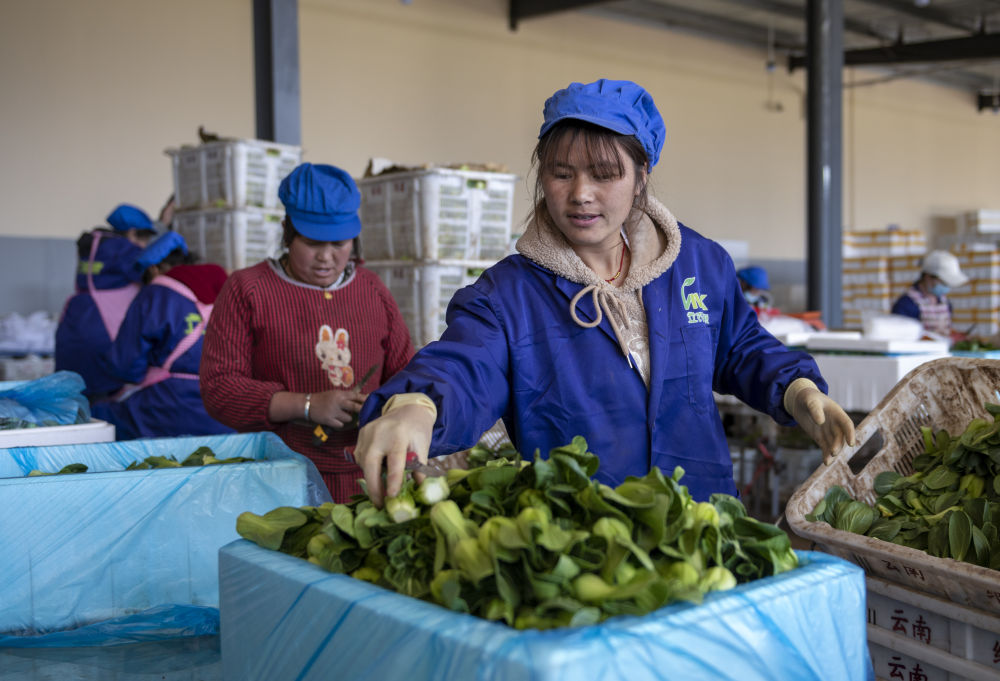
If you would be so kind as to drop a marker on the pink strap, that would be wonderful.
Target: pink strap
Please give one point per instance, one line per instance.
(158, 374)
(112, 304)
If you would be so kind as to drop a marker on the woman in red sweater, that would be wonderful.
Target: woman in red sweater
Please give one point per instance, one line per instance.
(301, 340)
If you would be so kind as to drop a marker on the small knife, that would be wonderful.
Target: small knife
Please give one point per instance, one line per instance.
(321, 433)
(413, 464)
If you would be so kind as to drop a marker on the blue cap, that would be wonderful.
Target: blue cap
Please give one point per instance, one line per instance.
(755, 277)
(127, 216)
(322, 202)
(618, 105)
(158, 249)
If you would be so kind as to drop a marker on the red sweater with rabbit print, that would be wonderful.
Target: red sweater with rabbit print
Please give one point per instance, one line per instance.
(269, 333)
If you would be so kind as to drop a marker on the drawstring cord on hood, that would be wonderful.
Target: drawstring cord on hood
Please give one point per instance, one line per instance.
(603, 302)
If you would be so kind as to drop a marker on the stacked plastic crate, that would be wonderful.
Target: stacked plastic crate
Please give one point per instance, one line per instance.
(428, 233)
(226, 197)
(875, 265)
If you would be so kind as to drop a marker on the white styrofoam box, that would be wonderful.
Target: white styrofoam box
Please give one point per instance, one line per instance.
(88, 547)
(70, 434)
(423, 292)
(982, 221)
(859, 382)
(884, 243)
(913, 632)
(283, 618)
(26, 368)
(233, 239)
(437, 214)
(870, 270)
(231, 173)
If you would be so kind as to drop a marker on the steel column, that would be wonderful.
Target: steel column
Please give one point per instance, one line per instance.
(276, 70)
(825, 63)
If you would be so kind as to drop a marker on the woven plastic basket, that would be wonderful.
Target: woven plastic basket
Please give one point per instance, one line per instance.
(945, 393)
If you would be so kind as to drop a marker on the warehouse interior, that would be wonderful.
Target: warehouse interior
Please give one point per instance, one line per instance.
(917, 150)
(830, 144)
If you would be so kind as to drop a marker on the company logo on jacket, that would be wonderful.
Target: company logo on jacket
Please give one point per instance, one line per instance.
(694, 303)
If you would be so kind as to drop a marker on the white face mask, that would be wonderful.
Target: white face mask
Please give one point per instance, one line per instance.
(752, 298)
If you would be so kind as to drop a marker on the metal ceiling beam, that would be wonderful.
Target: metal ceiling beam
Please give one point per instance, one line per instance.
(927, 13)
(983, 46)
(525, 9)
(647, 12)
(794, 10)
(989, 101)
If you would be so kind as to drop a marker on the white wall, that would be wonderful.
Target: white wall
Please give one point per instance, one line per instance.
(88, 109)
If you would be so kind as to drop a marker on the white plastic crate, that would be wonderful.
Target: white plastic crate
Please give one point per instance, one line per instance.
(232, 238)
(915, 636)
(437, 214)
(231, 174)
(423, 292)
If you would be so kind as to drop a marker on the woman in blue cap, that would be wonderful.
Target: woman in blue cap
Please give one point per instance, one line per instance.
(105, 286)
(614, 321)
(296, 343)
(157, 352)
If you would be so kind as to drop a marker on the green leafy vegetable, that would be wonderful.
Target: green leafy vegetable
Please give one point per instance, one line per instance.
(536, 544)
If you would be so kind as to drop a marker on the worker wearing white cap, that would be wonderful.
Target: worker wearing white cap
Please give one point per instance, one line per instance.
(927, 299)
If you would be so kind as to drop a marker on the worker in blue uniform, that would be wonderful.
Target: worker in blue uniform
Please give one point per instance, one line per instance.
(105, 286)
(157, 353)
(614, 322)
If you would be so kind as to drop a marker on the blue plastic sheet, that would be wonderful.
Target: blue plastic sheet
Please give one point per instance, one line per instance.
(84, 548)
(56, 399)
(155, 624)
(284, 618)
(194, 658)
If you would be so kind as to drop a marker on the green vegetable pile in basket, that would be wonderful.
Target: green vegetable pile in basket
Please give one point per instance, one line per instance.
(949, 507)
(535, 545)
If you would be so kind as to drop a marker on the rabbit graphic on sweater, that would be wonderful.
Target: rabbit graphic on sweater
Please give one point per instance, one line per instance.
(335, 356)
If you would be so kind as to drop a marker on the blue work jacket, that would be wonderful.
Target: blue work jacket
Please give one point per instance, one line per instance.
(511, 350)
(81, 335)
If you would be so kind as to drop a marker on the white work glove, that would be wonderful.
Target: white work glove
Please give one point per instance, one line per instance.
(820, 417)
(405, 426)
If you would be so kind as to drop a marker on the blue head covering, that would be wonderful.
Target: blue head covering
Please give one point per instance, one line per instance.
(322, 202)
(127, 216)
(618, 105)
(158, 249)
(755, 277)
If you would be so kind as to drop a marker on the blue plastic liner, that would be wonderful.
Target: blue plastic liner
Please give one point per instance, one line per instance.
(156, 624)
(83, 548)
(284, 618)
(56, 399)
